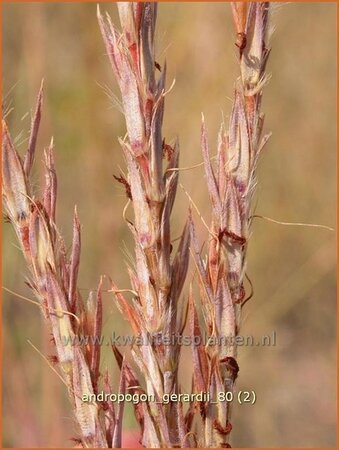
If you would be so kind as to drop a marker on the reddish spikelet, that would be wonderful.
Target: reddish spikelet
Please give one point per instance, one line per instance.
(239, 10)
(126, 309)
(110, 419)
(74, 263)
(200, 360)
(96, 349)
(86, 411)
(14, 184)
(60, 322)
(116, 442)
(33, 136)
(50, 194)
(41, 244)
(132, 386)
(180, 263)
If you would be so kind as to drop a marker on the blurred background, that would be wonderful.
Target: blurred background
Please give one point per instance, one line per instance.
(292, 268)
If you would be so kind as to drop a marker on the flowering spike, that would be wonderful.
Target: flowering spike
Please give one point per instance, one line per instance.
(221, 277)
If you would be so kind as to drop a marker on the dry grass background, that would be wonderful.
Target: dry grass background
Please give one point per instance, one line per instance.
(293, 269)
